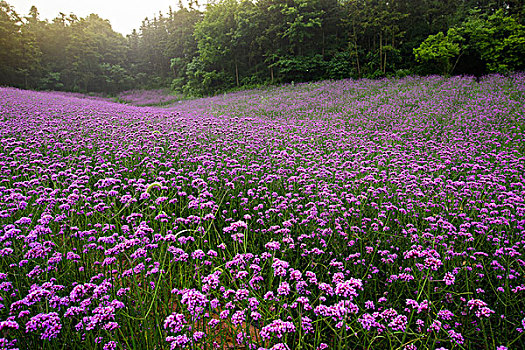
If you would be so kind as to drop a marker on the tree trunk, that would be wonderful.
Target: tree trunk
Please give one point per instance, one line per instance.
(356, 53)
(236, 73)
(393, 39)
(357, 60)
(271, 73)
(322, 48)
(381, 51)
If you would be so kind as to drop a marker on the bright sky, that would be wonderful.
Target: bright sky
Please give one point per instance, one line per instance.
(124, 15)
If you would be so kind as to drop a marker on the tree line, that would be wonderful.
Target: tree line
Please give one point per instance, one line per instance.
(242, 43)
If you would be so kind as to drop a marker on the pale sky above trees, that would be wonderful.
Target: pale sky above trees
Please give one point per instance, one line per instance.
(124, 15)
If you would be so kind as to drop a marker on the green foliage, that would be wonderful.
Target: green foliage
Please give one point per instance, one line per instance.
(80, 54)
(341, 65)
(51, 81)
(115, 78)
(439, 49)
(235, 43)
(12, 51)
(497, 41)
(302, 68)
(203, 81)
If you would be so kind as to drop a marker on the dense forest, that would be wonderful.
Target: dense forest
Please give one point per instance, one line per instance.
(234, 44)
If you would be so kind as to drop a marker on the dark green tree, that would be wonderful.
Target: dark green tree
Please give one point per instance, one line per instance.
(482, 43)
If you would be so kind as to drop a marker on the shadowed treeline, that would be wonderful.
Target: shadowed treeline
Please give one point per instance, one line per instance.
(233, 44)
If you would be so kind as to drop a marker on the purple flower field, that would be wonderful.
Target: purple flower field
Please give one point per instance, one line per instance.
(147, 97)
(384, 214)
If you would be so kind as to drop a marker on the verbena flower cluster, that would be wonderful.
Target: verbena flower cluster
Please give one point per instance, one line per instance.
(352, 214)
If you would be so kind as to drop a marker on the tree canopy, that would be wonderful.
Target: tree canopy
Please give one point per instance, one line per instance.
(237, 43)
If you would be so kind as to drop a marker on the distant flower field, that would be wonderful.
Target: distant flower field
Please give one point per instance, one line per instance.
(384, 214)
(147, 97)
